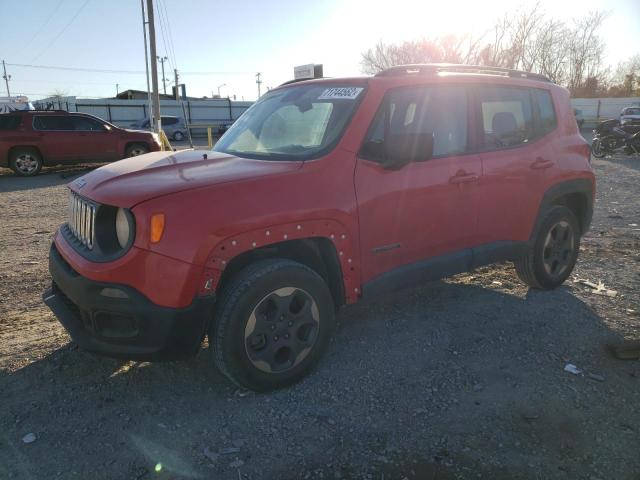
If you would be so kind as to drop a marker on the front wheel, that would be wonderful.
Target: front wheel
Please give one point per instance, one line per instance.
(271, 324)
(554, 253)
(596, 148)
(135, 150)
(178, 136)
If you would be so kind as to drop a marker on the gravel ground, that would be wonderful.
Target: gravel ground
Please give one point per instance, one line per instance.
(462, 378)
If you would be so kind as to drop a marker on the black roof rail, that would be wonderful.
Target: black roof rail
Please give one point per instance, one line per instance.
(296, 80)
(435, 68)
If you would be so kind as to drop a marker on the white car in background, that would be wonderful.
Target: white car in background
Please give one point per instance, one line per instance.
(630, 115)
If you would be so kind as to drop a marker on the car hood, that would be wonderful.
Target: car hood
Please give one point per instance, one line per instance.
(128, 182)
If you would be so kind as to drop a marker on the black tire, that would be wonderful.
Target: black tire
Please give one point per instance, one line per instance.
(232, 347)
(25, 161)
(596, 149)
(136, 149)
(536, 268)
(178, 136)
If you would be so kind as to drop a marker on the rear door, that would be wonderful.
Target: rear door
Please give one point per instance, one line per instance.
(514, 163)
(427, 208)
(56, 133)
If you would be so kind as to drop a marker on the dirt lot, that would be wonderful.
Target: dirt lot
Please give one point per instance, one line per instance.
(458, 379)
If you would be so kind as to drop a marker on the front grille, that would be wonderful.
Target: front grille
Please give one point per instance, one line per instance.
(82, 220)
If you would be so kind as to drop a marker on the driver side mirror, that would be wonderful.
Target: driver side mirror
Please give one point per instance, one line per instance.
(403, 148)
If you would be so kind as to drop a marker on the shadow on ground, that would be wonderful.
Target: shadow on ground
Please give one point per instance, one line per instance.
(445, 381)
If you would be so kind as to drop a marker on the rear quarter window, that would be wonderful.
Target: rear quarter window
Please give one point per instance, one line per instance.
(547, 114)
(9, 122)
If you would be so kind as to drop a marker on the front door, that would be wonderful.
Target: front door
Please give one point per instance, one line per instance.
(94, 141)
(427, 208)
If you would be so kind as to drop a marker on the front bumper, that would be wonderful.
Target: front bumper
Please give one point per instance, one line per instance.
(123, 323)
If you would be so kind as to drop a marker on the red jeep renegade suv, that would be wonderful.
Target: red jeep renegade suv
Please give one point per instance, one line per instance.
(322, 193)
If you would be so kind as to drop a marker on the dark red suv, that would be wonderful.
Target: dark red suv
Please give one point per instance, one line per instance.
(322, 193)
(31, 139)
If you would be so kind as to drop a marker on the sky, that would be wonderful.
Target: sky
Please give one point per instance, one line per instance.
(224, 44)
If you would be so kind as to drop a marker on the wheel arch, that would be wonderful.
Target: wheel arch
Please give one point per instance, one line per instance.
(324, 246)
(13, 148)
(577, 195)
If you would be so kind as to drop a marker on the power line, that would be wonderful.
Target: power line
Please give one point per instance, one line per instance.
(164, 39)
(75, 69)
(127, 72)
(42, 27)
(64, 29)
(171, 45)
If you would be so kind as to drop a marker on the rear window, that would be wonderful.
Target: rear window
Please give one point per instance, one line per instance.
(507, 116)
(547, 121)
(53, 122)
(9, 122)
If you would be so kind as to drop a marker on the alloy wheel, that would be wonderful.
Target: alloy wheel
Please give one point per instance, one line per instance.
(281, 330)
(558, 249)
(137, 151)
(26, 164)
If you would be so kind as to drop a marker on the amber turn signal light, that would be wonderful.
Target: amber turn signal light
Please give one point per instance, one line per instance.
(157, 227)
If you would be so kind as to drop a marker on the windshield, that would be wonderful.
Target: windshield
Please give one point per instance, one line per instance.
(294, 123)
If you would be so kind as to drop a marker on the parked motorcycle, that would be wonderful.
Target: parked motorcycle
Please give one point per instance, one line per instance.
(609, 137)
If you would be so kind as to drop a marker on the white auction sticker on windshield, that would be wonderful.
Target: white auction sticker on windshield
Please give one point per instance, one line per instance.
(346, 93)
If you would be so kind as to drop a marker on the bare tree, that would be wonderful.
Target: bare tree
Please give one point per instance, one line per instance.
(569, 54)
(585, 53)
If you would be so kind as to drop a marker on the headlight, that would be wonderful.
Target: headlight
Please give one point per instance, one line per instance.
(123, 229)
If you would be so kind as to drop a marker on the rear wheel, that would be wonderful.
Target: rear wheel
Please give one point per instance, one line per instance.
(596, 148)
(178, 136)
(271, 325)
(551, 259)
(25, 162)
(136, 149)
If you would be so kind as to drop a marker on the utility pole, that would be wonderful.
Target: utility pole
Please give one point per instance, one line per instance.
(259, 82)
(220, 86)
(146, 61)
(157, 124)
(117, 91)
(176, 76)
(164, 80)
(6, 78)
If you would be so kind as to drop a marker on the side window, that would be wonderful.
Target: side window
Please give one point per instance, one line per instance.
(548, 120)
(169, 121)
(507, 119)
(52, 122)
(9, 122)
(441, 111)
(86, 124)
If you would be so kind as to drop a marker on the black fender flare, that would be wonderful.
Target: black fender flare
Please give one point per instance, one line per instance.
(583, 186)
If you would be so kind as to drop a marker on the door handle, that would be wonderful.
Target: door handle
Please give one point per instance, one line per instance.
(463, 177)
(541, 163)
